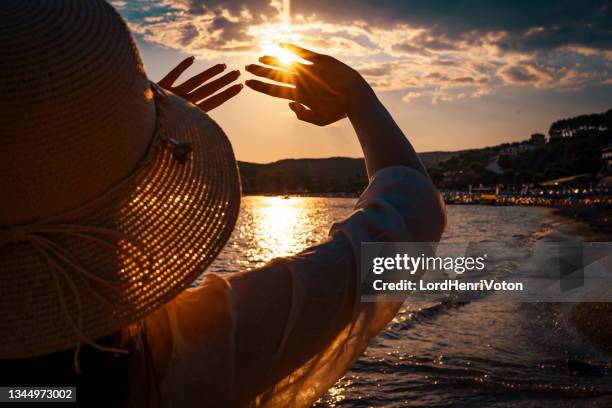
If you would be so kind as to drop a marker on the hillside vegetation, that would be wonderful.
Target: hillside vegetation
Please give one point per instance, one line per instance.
(573, 147)
(331, 175)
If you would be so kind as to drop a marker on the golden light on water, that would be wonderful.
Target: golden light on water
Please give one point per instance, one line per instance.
(271, 227)
(281, 223)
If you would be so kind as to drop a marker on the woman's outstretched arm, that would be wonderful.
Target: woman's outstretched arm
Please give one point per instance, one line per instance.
(327, 90)
(382, 141)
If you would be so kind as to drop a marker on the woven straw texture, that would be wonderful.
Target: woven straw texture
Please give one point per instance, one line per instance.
(100, 224)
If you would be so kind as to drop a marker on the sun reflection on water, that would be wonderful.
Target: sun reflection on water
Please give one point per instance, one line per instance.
(270, 227)
(281, 222)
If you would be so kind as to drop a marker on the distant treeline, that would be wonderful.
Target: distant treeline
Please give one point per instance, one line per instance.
(314, 176)
(595, 123)
(573, 146)
(332, 175)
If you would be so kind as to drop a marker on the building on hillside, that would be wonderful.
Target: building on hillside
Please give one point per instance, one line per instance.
(606, 157)
(579, 181)
(517, 148)
(494, 167)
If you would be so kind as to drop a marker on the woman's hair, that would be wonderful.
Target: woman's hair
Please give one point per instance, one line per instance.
(103, 379)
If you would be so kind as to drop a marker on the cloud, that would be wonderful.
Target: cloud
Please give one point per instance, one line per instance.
(518, 74)
(118, 4)
(528, 24)
(188, 33)
(410, 96)
(445, 51)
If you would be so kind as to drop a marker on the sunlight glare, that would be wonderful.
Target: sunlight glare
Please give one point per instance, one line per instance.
(284, 56)
(270, 35)
(277, 226)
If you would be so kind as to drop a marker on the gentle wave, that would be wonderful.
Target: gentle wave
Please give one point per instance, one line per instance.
(446, 353)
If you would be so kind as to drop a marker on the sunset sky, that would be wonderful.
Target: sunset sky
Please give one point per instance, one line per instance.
(455, 75)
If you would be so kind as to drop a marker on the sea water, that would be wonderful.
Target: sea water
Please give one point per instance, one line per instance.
(443, 354)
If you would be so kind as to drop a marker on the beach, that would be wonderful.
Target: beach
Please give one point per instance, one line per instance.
(598, 220)
(593, 224)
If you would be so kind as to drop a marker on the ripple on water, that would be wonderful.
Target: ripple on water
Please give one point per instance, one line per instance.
(441, 354)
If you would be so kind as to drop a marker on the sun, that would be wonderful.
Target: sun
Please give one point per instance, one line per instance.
(271, 35)
(284, 56)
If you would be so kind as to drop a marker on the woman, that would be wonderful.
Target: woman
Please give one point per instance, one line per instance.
(118, 194)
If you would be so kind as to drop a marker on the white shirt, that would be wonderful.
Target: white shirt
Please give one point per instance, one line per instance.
(281, 335)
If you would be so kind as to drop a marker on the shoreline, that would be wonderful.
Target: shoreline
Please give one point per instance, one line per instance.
(597, 219)
(592, 320)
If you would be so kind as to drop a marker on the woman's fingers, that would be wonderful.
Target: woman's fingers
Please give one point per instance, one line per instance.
(270, 73)
(300, 52)
(277, 91)
(210, 88)
(167, 81)
(313, 116)
(196, 81)
(303, 113)
(307, 115)
(220, 98)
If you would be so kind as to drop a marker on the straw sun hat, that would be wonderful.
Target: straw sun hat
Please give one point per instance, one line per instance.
(115, 195)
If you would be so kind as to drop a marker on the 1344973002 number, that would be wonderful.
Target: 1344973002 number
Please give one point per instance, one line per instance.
(25, 394)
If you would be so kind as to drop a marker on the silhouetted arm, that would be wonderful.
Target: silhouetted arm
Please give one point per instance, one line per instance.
(382, 141)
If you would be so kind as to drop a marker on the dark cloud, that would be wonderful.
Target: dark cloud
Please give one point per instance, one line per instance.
(256, 7)
(438, 43)
(452, 47)
(379, 70)
(188, 32)
(464, 80)
(437, 76)
(530, 25)
(407, 48)
(228, 31)
(444, 63)
(425, 42)
(519, 73)
(223, 32)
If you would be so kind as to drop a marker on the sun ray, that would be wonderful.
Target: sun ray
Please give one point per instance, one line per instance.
(287, 10)
(270, 35)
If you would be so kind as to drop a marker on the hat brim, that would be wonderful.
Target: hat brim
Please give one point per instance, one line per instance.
(178, 217)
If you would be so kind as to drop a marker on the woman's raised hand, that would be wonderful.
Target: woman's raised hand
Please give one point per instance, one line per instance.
(197, 90)
(322, 92)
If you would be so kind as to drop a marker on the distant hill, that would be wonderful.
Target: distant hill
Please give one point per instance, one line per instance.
(330, 175)
(574, 146)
